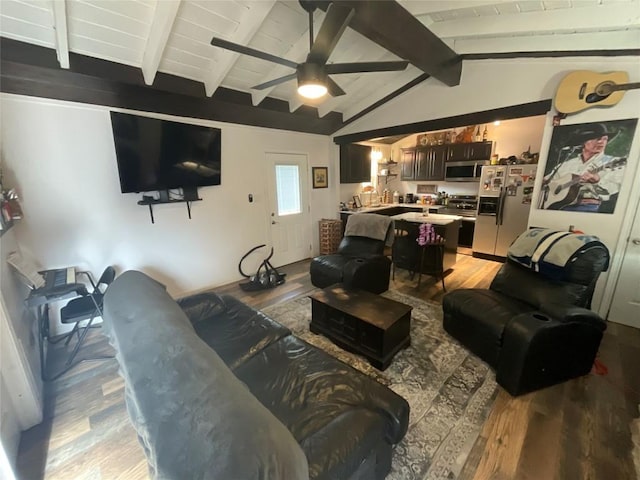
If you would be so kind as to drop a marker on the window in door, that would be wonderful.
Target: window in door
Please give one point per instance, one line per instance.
(288, 190)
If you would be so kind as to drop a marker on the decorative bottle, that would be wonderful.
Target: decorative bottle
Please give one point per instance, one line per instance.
(478, 135)
(485, 134)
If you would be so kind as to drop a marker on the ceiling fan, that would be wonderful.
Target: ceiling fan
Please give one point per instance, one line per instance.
(313, 73)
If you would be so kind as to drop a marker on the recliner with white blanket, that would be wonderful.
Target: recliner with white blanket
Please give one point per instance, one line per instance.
(359, 262)
(533, 325)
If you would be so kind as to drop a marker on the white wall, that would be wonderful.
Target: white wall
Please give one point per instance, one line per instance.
(21, 395)
(487, 85)
(62, 158)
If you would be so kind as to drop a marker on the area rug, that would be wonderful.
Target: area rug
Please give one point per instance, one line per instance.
(450, 391)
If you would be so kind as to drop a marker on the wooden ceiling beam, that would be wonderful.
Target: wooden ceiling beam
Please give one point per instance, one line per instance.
(247, 28)
(531, 109)
(60, 26)
(610, 16)
(575, 42)
(33, 71)
(394, 83)
(161, 26)
(362, 81)
(388, 24)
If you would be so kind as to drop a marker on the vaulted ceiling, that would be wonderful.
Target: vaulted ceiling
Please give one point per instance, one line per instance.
(173, 37)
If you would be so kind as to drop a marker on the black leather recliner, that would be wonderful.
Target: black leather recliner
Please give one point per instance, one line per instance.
(534, 330)
(359, 263)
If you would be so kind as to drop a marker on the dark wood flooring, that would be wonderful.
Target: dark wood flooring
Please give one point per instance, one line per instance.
(576, 430)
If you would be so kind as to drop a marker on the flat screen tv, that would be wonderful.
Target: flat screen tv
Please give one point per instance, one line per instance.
(156, 154)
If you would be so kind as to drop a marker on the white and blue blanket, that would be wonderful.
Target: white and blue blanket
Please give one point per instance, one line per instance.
(549, 251)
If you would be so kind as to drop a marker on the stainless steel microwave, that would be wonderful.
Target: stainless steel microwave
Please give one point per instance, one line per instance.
(467, 171)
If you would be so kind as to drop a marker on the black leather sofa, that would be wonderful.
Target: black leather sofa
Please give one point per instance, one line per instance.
(359, 263)
(534, 329)
(217, 390)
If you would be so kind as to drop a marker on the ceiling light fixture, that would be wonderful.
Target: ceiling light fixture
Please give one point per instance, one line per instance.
(312, 80)
(312, 90)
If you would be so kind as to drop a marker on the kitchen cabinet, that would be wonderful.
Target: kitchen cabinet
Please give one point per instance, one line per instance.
(480, 151)
(469, 151)
(428, 162)
(407, 164)
(423, 163)
(355, 163)
(438, 157)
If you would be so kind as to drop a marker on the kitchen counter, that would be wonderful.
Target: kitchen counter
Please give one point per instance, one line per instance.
(386, 206)
(433, 218)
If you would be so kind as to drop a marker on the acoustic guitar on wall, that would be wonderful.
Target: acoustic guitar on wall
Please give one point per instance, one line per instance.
(584, 89)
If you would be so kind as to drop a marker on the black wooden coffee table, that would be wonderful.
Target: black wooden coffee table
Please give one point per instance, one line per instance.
(361, 322)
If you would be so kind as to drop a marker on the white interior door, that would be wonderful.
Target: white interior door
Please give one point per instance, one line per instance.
(289, 208)
(625, 307)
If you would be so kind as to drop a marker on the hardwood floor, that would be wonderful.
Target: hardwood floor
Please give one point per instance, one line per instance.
(576, 430)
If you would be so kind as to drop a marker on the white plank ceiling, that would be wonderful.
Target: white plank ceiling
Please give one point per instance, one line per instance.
(173, 36)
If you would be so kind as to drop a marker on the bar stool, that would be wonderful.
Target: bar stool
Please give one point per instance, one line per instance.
(438, 266)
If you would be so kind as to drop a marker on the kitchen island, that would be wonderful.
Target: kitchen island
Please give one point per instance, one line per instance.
(447, 226)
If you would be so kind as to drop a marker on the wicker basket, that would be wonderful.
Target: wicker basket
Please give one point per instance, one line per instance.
(330, 235)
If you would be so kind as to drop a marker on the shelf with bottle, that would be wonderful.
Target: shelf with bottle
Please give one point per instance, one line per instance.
(385, 169)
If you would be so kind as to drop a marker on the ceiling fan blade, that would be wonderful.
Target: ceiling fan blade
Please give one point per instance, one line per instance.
(275, 81)
(234, 47)
(332, 28)
(361, 67)
(334, 89)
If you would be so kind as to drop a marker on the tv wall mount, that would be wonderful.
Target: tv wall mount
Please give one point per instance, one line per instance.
(189, 194)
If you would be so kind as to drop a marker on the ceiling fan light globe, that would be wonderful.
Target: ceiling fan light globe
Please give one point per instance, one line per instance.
(312, 90)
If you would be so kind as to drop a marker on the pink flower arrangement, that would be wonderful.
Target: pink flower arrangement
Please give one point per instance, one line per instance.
(427, 235)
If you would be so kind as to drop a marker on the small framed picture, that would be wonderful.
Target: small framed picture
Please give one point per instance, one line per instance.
(356, 201)
(320, 177)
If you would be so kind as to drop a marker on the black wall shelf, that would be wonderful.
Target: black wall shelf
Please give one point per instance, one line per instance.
(154, 201)
(389, 175)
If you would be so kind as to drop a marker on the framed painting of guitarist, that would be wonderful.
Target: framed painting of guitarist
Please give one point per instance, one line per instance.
(585, 166)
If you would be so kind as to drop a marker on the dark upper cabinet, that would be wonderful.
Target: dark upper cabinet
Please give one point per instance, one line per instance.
(439, 156)
(469, 151)
(423, 163)
(458, 151)
(407, 164)
(480, 151)
(428, 162)
(355, 163)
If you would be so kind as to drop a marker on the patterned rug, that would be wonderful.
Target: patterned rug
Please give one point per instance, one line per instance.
(449, 390)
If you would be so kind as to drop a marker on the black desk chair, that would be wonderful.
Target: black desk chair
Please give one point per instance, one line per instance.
(86, 307)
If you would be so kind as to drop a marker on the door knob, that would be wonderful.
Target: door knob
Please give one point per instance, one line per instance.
(636, 241)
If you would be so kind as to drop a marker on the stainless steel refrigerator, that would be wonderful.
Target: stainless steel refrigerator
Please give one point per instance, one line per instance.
(504, 201)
